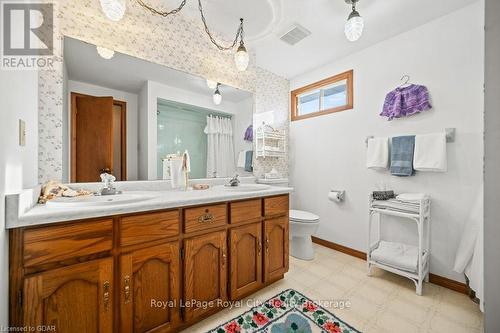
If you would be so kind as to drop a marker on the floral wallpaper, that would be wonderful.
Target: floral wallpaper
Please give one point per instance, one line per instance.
(175, 41)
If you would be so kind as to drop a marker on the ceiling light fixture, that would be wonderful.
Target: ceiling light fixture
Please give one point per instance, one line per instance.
(211, 84)
(105, 53)
(354, 26)
(217, 97)
(114, 9)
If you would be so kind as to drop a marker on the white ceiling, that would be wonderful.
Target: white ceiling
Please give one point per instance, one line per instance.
(129, 74)
(266, 20)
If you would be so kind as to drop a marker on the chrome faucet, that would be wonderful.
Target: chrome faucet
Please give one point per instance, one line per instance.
(234, 181)
(108, 181)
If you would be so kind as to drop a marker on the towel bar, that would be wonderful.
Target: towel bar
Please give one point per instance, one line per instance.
(450, 135)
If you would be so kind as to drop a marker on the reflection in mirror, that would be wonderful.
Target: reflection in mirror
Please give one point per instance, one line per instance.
(135, 119)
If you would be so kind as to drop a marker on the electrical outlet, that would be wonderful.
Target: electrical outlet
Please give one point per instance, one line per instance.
(22, 133)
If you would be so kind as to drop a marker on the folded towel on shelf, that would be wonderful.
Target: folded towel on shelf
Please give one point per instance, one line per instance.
(249, 161)
(416, 197)
(398, 255)
(397, 205)
(382, 195)
(402, 155)
(430, 152)
(377, 153)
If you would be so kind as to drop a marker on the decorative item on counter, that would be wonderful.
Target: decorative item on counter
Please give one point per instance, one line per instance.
(273, 174)
(383, 195)
(249, 134)
(53, 189)
(406, 100)
(201, 186)
(186, 168)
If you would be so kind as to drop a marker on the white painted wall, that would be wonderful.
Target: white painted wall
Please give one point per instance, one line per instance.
(328, 152)
(18, 165)
(148, 99)
(132, 118)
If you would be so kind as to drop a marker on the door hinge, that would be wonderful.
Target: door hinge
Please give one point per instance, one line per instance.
(20, 297)
(182, 253)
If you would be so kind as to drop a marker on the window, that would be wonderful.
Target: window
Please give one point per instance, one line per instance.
(326, 96)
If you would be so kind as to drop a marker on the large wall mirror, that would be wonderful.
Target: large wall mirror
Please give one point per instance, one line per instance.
(132, 117)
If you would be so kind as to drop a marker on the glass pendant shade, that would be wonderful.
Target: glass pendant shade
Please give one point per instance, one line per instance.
(105, 53)
(114, 9)
(354, 27)
(217, 97)
(211, 84)
(241, 58)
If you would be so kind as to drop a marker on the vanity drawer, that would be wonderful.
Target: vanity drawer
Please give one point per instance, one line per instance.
(276, 205)
(61, 242)
(149, 227)
(247, 210)
(201, 218)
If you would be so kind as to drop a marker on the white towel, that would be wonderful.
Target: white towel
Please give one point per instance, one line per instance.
(397, 255)
(166, 169)
(241, 159)
(176, 173)
(412, 197)
(430, 152)
(377, 154)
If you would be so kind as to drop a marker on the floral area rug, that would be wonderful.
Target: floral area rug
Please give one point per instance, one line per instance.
(287, 312)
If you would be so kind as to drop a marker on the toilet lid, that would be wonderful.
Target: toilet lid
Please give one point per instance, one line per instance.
(302, 216)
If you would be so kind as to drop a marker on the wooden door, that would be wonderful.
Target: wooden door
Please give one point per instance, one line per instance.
(77, 298)
(246, 259)
(205, 272)
(276, 248)
(92, 137)
(149, 289)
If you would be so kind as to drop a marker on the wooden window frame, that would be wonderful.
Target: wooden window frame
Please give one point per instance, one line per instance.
(348, 76)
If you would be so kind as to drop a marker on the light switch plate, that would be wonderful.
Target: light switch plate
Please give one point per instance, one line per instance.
(22, 133)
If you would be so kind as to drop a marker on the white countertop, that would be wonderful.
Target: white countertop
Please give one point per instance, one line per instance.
(41, 214)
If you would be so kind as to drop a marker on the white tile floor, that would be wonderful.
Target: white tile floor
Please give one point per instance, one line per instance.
(383, 302)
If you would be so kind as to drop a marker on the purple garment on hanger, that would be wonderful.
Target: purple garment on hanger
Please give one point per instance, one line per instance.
(405, 101)
(249, 134)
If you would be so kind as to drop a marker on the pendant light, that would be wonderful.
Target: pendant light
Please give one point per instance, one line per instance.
(355, 23)
(241, 58)
(217, 97)
(105, 53)
(114, 9)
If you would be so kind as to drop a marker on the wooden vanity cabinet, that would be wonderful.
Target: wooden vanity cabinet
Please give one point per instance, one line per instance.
(205, 273)
(246, 259)
(77, 298)
(149, 289)
(157, 271)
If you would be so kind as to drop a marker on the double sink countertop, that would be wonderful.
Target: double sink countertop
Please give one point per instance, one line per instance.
(22, 210)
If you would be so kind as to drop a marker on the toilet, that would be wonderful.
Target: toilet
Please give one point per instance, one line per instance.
(302, 226)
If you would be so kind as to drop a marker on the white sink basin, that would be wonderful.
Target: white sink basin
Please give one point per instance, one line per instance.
(104, 200)
(246, 188)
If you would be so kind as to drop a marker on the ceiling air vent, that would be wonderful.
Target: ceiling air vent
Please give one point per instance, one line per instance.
(295, 34)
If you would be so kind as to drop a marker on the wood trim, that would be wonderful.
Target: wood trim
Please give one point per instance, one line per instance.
(340, 248)
(123, 106)
(349, 76)
(433, 278)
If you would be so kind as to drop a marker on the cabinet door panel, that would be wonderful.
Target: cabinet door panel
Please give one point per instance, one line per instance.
(205, 272)
(149, 283)
(76, 298)
(246, 259)
(276, 245)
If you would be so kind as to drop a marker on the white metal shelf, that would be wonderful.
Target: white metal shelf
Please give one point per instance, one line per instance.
(422, 220)
(269, 142)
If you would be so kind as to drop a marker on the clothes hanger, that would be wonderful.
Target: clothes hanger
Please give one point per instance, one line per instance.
(406, 79)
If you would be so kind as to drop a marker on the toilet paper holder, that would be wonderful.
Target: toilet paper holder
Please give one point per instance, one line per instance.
(340, 194)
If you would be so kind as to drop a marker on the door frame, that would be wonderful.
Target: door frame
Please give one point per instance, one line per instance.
(73, 135)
